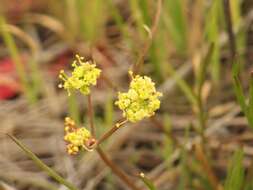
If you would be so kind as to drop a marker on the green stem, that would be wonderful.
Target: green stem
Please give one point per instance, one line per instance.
(8, 39)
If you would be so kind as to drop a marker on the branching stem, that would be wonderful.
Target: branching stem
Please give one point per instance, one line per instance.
(110, 132)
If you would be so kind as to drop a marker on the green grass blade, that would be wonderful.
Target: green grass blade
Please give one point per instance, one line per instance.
(42, 165)
(250, 106)
(239, 94)
(144, 7)
(9, 41)
(246, 108)
(238, 87)
(118, 19)
(212, 36)
(138, 17)
(175, 21)
(204, 67)
(91, 15)
(149, 184)
(36, 76)
(235, 176)
(186, 89)
(156, 57)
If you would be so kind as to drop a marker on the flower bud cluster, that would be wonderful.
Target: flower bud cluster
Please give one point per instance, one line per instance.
(76, 138)
(83, 76)
(141, 100)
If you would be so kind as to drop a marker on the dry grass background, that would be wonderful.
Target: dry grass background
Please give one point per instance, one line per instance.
(135, 148)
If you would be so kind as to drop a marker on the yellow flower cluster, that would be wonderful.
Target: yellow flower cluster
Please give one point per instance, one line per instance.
(76, 138)
(141, 100)
(84, 75)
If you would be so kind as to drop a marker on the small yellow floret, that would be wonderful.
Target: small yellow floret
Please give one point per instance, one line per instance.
(84, 75)
(141, 100)
(75, 137)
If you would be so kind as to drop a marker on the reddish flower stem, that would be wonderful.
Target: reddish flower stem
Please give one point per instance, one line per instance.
(116, 170)
(110, 132)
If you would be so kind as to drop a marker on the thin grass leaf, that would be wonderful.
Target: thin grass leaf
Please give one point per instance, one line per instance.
(175, 21)
(137, 15)
(250, 105)
(241, 98)
(238, 87)
(155, 58)
(42, 165)
(9, 41)
(144, 7)
(186, 89)
(246, 108)
(203, 67)
(212, 26)
(236, 68)
(235, 176)
(118, 19)
(239, 94)
(36, 76)
(149, 184)
(91, 17)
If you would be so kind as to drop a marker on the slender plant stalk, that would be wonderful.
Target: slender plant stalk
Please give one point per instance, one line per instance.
(150, 185)
(73, 108)
(116, 170)
(148, 43)
(90, 112)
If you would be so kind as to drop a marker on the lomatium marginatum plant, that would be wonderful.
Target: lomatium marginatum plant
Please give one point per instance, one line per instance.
(139, 102)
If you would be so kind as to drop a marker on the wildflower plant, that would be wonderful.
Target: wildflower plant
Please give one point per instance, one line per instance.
(139, 102)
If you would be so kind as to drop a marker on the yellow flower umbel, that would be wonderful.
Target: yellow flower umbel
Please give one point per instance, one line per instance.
(76, 138)
(84, 75)
(141, 100)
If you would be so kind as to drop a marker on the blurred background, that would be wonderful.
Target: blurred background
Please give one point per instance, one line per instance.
(199, 139)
